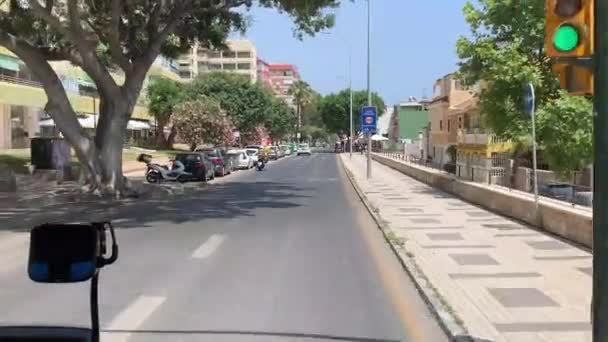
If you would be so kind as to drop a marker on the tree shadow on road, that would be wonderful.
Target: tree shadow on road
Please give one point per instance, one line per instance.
(221, 201)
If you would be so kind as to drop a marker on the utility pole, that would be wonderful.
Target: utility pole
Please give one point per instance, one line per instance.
(369, 89)
(600, 181)
(350, 87)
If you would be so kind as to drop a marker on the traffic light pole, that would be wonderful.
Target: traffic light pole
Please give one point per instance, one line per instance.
(600, 180)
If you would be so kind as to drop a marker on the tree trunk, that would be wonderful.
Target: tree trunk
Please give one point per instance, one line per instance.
(109, 139)
(171, 138)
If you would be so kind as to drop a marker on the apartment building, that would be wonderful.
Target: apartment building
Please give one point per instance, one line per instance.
(240, 57)
(22, 98)
(448, 94)
(282, 77)
(264, 73)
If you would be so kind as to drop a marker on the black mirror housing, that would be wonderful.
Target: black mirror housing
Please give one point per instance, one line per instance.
(63, 253)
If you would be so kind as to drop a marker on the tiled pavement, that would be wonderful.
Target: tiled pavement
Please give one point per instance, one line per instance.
(504, 280)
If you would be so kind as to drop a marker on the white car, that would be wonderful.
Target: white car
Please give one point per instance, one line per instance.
(243, 159)
(253, 155)
(304, 149)
(286, 150)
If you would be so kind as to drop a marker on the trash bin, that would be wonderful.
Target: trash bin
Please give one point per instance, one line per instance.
(49, 153)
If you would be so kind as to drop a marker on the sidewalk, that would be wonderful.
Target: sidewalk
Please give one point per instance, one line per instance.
(503, 280)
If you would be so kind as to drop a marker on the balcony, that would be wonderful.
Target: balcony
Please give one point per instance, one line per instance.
(474, 136)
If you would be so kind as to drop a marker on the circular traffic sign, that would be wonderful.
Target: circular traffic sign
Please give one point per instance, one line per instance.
(369, 120)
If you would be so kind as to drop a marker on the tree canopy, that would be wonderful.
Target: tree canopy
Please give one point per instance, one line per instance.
(504, 51)
(335, 109)
(203, 121)
(163, 96)
(247, 104)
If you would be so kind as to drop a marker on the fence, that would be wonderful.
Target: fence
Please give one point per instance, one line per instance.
(500, 175)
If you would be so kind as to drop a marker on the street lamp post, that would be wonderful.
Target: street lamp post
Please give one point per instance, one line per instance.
(369, 90)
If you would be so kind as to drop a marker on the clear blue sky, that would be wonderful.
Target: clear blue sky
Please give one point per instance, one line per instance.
(412, 45)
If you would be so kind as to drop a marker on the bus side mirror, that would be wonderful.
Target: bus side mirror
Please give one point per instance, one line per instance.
(68, 253)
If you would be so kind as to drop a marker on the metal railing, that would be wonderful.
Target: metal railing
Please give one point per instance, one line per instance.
(16, 80)
(500, 176)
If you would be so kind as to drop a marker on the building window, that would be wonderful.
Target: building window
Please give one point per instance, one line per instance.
(184, 74)
(244, 54)
(244, 66)
(229, 66)
(287, 73)
(441, 125)
(460, 122)
(214, 66)
(449, 125)
(229, 54)
(215, 54)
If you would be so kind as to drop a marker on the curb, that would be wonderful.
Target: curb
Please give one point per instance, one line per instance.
(447, 321)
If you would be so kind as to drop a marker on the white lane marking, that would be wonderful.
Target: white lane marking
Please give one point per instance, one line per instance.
(208, 247)
(131, 318)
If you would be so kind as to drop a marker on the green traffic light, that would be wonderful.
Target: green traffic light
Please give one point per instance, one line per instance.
(566, 38)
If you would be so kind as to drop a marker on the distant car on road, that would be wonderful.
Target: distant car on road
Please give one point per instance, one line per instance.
(304, 149)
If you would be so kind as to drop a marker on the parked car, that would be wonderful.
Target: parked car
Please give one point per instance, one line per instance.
(243, 159)
(273, 154)
(560, 191)
(280, 152)
(286, 150)
(303, 149)
(198, 164)
(222, 166)
(253, 154)
(584, 198)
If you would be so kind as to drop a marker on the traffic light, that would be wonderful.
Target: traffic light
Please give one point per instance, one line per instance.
(569, 28)
(575, 79)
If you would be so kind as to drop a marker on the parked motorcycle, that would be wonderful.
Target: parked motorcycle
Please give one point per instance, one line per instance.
(157, 173)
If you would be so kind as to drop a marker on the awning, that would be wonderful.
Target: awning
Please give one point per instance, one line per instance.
(9, 63)
(135, 125)
(90, 122)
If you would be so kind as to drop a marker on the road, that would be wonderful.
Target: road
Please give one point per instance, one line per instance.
(287, 254)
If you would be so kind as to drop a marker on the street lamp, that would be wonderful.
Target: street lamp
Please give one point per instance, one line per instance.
(369, 89)
(350, 88)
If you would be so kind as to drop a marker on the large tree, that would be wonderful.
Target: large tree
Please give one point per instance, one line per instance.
(203, 121)
(335, 109)
(125, 36)
(302, 94)
(504, 51)
(163, 96)
(282, 120)
(248, 104)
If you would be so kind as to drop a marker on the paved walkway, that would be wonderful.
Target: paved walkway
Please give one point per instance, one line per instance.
(504, 280)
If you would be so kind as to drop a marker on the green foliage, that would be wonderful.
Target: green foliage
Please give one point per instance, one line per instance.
(163, 96)
(247, 104)
(504, 51)
(565, 127)
(335, 109)
(282, 121)
(203, 121)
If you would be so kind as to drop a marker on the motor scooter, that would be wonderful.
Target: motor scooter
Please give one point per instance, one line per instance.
(156, 173)
(260, 165)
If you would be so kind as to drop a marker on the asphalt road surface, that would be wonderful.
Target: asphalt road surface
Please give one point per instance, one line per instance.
(287, 254)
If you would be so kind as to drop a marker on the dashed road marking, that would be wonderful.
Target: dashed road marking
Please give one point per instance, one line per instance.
(208, 247)
(131, 318)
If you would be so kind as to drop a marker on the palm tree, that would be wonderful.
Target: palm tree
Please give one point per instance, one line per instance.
(302, 95)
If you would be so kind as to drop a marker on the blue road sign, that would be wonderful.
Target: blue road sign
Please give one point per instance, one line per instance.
(368, 119)
(529, 99)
